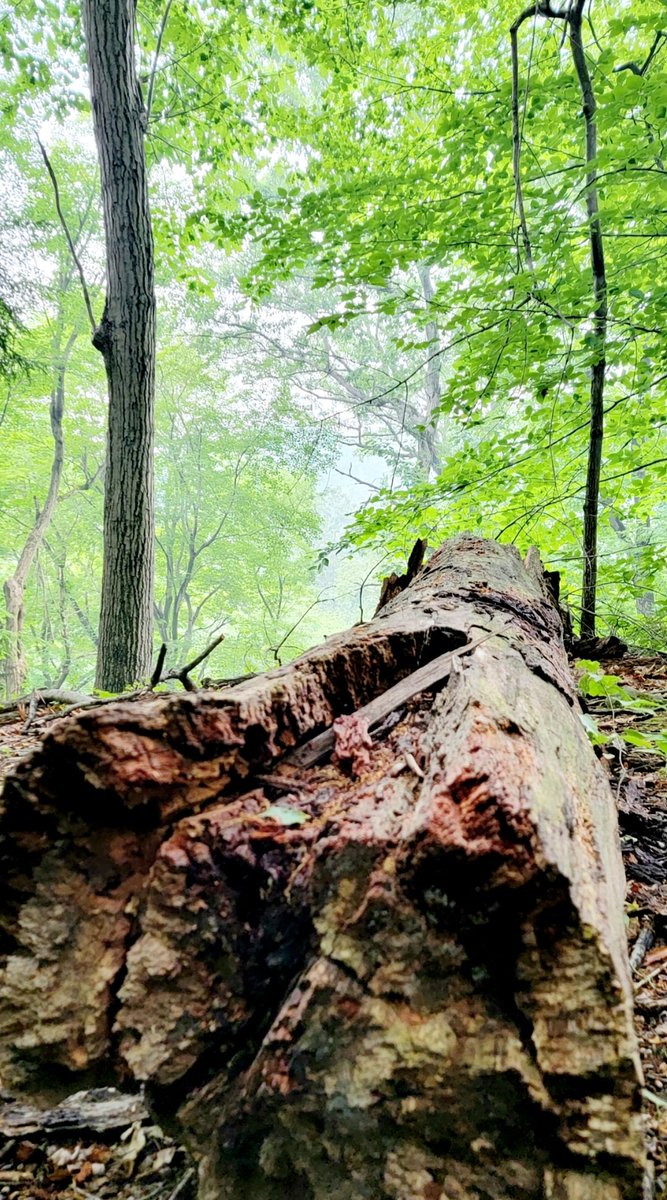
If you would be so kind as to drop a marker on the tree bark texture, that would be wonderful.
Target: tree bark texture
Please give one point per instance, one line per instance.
(393, 973)
(126, 339)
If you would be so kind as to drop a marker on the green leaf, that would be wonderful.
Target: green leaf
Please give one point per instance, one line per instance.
(284, 815)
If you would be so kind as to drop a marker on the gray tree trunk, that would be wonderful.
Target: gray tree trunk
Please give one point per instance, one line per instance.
(126, 339)
(427, 440)
(15, 667)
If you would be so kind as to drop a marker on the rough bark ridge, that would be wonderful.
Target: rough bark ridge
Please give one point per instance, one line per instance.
(126, 339)
(399, 973)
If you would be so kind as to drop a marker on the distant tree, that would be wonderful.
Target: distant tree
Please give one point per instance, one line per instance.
(14, 586)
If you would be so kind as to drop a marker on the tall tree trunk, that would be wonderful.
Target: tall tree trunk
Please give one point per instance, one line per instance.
(126, 339)
(573, 15)
(14, 587)
(599, 367)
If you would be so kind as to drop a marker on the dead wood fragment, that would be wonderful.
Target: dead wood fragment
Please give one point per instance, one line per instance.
(320, 747)
(597, 648)
(94, 1111)
(643, 943)
(32, 710)
(421, 990)
(393, 585)
(352, 743)
(157, 673)
(182, 674)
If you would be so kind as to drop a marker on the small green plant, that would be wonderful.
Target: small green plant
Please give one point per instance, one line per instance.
(595, 683)
(657, 742)
(595, 734)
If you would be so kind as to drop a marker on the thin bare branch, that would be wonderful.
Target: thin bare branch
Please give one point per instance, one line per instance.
(68, 236)
(364, 482)
(516, 144)
(636, 69)
(156, 56)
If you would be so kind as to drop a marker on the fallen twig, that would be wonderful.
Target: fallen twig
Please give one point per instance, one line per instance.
(642, 983)
(46, 696)
(182, 673)
(643, 943)
(183, 1181)
(34, 701)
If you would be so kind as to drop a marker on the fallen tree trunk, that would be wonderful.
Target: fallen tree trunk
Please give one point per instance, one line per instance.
(392, 973)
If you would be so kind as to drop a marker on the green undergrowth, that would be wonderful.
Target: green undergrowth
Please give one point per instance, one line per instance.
(621, 699)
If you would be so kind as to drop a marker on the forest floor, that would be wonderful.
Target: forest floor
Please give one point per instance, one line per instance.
(138, 1161)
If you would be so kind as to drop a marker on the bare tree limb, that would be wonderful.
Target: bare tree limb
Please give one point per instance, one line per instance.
(516, 142)
(636, 69)
(68, 236)
(156, 56)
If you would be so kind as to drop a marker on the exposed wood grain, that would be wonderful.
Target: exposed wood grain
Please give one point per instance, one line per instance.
(435, 672)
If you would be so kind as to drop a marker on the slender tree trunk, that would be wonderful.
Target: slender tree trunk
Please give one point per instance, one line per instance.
(573, 16)
(126, 339)
(516, 143)
(14, 587)
(426, 441)
(58, 558)
(599, 367)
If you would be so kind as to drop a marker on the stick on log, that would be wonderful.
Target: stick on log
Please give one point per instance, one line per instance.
(412, 983)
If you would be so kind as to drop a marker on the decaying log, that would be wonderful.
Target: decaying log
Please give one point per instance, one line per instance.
(389, 975)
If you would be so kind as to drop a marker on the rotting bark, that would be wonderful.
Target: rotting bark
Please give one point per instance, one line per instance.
(406, 982)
